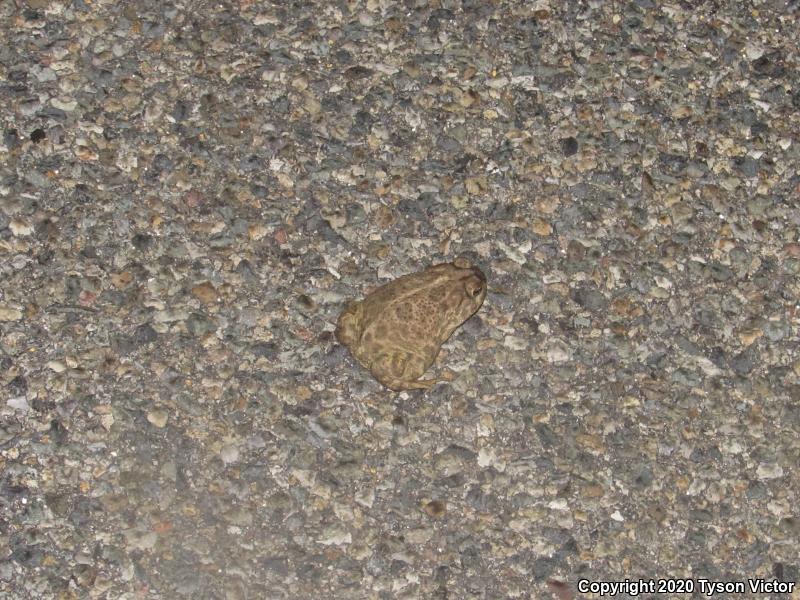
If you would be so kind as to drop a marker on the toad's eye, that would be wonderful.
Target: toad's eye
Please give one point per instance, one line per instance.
(474, 289)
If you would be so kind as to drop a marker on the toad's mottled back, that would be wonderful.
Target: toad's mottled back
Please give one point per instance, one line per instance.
(397, 330)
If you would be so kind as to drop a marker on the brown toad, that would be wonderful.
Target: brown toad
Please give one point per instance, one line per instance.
(396, 330)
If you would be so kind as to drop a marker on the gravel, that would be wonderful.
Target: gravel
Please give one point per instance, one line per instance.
(190, 192)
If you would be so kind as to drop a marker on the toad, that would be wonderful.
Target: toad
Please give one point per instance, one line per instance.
(396, 330)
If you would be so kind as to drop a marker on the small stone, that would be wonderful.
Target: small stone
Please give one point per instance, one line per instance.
(121, 280)
(476, 185)
(721, 273)
(86, 153)
(11, 138)
(560, 589)
(569, 146)
(229, 453)
(199, 324)
(19, 227)
(541, 227)
(65, 105)
(56, 366)
(435, 508)
(515, 342)
(335, 535)
(418, 536)
(158, 417)
(776, 330)
(257, 231)
(8, 313)
(239, 516)
(682, 111)
(107, 421)
(205, 292)
(37, 135)
(557, 352)
(743, 363)
(19, 403)
(593, 491)
(589, 298)
(468, 98)
(29, 107)
(769, 471)
(365, 497)
(143, 334)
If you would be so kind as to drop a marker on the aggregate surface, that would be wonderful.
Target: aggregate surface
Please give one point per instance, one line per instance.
(190, 191)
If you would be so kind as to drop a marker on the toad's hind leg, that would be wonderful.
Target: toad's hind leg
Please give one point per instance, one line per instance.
(401, 371)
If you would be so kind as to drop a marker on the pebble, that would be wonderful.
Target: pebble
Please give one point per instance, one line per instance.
(158, 417)
(19, 227)
(8, 313)
(229, 454)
